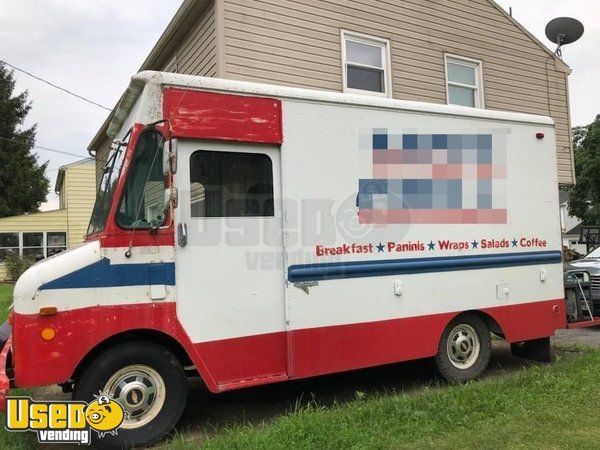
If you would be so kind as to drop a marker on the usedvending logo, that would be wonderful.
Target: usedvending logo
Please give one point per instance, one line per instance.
(68, 422)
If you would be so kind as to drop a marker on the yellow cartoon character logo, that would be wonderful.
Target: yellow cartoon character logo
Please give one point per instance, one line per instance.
(104, 415)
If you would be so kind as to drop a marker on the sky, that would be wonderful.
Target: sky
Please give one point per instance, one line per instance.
(92, 47)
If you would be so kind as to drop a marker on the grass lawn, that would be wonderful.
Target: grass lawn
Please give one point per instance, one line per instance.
(539, 407)
(5, 300)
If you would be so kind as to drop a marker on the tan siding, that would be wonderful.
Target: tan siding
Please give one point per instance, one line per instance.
(101, 157)
(81, 194)
(45, 221)
(197, 55)
(171, 65)
(297, 42)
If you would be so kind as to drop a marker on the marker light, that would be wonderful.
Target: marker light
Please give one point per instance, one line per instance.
(539, 135)
(48, 311)
(48, 334)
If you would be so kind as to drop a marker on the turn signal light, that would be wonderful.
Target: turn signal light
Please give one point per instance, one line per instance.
(48, 311)
(48, 334)
(9, 318)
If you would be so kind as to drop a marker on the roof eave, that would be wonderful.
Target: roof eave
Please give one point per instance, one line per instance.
(185, 18)
(101, 133)
(180, 24)
(559, 63)
(59, 180)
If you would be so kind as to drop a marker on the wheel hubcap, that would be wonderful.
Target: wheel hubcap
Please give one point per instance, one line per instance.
(141, 392)
(463, 346)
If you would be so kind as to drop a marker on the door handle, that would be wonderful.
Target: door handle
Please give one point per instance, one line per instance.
(182, 234)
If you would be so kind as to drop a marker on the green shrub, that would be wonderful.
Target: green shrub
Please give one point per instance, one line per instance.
(570, 255)
(15, 266)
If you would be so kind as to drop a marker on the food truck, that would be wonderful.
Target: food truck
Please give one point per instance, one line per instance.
(249, 234)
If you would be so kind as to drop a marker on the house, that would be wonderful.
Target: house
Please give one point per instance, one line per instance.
(570, 226)
(464, 52)
(572, 240)
(43, 234)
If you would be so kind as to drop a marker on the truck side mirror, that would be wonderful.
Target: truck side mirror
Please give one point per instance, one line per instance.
(170, 157)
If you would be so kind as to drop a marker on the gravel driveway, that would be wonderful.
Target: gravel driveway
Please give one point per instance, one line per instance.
(584, 336)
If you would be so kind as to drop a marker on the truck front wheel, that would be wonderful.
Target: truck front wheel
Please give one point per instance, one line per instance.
(464, 350)
(149, 383)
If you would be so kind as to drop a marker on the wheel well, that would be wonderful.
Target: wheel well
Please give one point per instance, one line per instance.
(491, 323)
(145, 335)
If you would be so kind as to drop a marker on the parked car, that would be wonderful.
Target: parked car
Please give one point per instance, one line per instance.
(589, 266)
(590, 263)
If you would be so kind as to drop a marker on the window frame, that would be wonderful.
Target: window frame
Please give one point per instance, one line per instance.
(20, 246)
(130, 170)
(233, 152)
(476, 64)
(42, 247)
(385, 46)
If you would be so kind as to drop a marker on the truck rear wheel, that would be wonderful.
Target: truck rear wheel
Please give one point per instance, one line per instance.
(464, 350)
(148, 382)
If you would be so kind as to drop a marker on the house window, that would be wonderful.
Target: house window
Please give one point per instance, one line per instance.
(228, 184)
(464, 81)
(35, 245)
(366, 64)
(9, 245)
(55, 243)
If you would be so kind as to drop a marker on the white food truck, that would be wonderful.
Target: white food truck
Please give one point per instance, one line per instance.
(251, 234)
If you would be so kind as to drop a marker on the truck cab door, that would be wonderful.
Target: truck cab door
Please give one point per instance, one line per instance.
(229, 264)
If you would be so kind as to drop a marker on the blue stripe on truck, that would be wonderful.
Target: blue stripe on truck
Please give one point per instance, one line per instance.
(105, 274)
(359, 269)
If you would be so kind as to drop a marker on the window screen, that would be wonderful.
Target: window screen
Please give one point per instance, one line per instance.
(227, 184)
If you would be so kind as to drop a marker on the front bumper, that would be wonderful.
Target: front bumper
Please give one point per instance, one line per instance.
(5, 372)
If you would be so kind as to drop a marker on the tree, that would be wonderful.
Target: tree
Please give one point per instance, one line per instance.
(584, 198)
(23, 182)
(579, 133)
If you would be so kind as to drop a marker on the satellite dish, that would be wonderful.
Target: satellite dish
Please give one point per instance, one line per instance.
(563, 31)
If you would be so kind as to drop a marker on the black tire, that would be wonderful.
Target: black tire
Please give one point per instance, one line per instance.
(124, 359)
(463, 333)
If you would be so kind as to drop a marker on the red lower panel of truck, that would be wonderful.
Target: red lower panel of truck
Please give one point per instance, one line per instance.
(251, 360)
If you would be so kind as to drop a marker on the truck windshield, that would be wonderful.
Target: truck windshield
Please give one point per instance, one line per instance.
(106, 190)
(142, 203)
